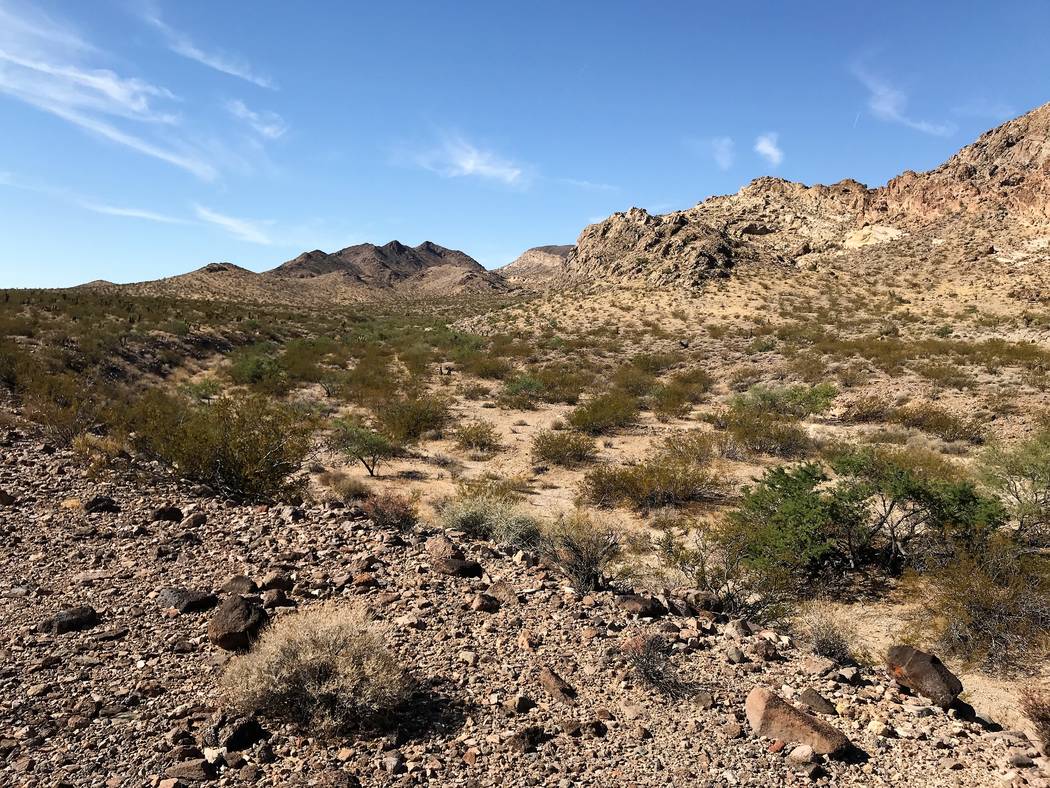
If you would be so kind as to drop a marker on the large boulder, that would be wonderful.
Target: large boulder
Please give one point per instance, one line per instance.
(773, 717)
(73, 619)
(235, 623)
(923, 673)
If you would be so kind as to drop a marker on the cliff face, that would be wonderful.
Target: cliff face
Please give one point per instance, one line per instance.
(998, 188)
(537, 266)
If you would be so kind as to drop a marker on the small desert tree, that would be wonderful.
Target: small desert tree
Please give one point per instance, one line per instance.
(362, 443)
(1020, 474)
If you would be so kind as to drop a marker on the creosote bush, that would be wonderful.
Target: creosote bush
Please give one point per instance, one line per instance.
(344, 486)
(244, 446)
(653, 483)
(605, 413)
(362, 443)
(325, 670)
(564, 448)
(582, 549)
(406, 420)
(478, 436)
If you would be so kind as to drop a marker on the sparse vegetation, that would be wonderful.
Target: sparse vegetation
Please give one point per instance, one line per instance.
(562, 447)
(582, 549)
(605, 413)
(325, 670)
(492, 515)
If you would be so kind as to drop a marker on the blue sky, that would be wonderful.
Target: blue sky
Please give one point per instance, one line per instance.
(143, 139)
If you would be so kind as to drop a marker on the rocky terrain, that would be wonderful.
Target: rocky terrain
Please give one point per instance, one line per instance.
(538, 265)
(120, 597)
(993, 192)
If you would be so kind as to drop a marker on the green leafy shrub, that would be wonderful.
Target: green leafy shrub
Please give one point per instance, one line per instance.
(564, 448)
(794, 401)
(406, 420)
(1020, 475)
(325, 670)
(759, 432)
(245, 445)
(605, 413)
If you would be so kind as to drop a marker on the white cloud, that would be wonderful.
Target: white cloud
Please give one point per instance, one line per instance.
(131, 213)
(242, 229)
(41, 64)
(722, 150)
(181, 44)
(266, 124)
(889, 103)
(457, 158)
(980, 107)
(87, 203)
(767, 146)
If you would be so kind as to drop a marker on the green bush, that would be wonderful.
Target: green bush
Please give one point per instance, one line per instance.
(406, 420)
(653, 483)
(245, 446)
(760, 432)
(605, 413)
(1020, 475)
(255, 367)
(560, 447)
(937, 421)
(794, 401)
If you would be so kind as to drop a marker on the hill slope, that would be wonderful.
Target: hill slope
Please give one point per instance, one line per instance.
(537, 266)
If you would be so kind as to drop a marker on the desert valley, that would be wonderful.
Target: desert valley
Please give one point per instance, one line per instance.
(755, 493)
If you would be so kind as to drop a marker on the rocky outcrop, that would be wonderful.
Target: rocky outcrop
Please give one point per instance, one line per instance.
(996, 190)
(537, 267)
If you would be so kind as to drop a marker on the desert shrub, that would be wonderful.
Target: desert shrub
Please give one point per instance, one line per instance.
(361, 443)
(63, 404)
(345, 487)
(830, 635)
(648, 656)
(653, 363)
(669, 402)
(990, 607)
(99, 451)
(256, 367)
(759, 432)
(477, 436)
(521, 392)
(604, 413)
(582, 549)
(655, 482)
(1020, 475)
(391, 510)
(794, 401)
(325, 670)
(567, 449)
(937, 421)
(245, 445)
(866, 409)
(407, 419)
(490, 515)
(1035, 703)
(551, 383)
(635, 381)
(692, 446)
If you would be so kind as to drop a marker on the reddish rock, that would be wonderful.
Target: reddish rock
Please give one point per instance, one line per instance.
(923, 673)
(773, 717)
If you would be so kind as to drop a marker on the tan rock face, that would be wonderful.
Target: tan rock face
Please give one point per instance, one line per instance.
(538, 266)
(998, 189)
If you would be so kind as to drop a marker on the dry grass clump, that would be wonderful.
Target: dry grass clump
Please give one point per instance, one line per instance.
(324, 669)
(582, 549)
(344, 486)
(559, 447)
(390, 510)
(653, 483)
(929, 418)
(491, 515)
(1035, 703)
(649, 658)
(829, 634)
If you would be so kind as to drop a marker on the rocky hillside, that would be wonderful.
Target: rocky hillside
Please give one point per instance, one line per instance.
(124, 600)
(357, 273)
(996, 190)
(537, 266)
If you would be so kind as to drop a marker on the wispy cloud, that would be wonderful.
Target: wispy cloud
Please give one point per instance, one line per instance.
(722, 151)
(455, 157)
(889, 103)
(242, 229)
(181, 44)
(42, 64)
(979, 107)
(87, 203)
(592, 186)
(266, 124)
(768, 147)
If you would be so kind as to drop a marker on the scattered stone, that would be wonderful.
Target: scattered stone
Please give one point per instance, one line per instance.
(101, 504)
(558, 687)
(641, 606)
(484, 603)
(773, 717)
(457, 567)
(73, 619)
(440, 547)
(240, 584)
(196, 770)
(735, 656)
(235, 623)
(6, 499)
(925, 674)
(277, 580)
(166, 514)
(186, 601)
(527, 739)
(817, 702)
